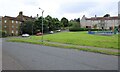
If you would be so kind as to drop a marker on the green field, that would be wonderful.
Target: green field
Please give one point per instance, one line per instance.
(81, 38)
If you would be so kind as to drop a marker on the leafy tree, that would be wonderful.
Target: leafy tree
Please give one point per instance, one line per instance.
(49, 23)
(74, 24)
(27, 27)
(107, 15)
(77, 20)
(38, 25)
(65, 21)
(56, 23)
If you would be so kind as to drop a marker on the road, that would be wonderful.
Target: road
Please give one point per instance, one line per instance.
(23, 56)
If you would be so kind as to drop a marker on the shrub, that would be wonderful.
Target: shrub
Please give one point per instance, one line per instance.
(3, 34)
(83, 29)
(78, 29)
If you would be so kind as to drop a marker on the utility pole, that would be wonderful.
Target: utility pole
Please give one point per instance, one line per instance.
(42, 22)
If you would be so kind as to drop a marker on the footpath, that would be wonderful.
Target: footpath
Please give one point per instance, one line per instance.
(88, 47)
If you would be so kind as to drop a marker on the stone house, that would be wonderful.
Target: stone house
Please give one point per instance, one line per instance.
(100, 22)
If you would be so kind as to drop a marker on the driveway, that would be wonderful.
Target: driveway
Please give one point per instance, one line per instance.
(38, 57)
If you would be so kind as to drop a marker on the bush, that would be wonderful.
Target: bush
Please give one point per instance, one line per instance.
(3, 34)
(78, 29)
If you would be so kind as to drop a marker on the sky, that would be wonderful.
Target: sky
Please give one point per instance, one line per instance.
(59, 8)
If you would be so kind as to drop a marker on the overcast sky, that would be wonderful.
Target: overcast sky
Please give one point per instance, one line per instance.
(59, 8)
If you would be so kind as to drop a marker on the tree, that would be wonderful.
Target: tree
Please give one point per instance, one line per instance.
(27, 27)
(56, 23)
(77, 20)
(65, 21)
(107, 15)
(38, 25)
(49, 23)
(74, 24)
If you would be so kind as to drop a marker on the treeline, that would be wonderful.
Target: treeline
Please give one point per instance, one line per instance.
(49, 24)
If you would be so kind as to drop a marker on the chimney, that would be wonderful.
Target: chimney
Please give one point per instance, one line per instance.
(20, 13)
(83, 15)
(95, 16)
(37, 15)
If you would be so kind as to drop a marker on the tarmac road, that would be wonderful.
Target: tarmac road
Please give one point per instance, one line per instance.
(23, 56)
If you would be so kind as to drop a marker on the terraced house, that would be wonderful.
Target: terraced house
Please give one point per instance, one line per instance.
(100, 22)
(11, 25)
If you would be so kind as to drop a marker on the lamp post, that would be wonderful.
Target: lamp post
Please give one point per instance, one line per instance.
(42, 22)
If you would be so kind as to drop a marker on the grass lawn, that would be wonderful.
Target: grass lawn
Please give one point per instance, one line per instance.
(75, 38)
(81, 38)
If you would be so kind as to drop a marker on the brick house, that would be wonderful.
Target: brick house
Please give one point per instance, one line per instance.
(11, 25)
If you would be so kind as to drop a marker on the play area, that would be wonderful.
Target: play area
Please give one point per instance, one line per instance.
(103, 30)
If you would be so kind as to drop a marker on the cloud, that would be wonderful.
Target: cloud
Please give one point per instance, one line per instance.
(31, 2)
(76, 7)
(90, 9)
(59, 8)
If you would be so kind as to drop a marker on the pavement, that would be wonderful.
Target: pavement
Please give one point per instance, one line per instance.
(23, 56)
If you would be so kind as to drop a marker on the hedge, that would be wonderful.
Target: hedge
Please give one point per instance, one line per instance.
(83, 29)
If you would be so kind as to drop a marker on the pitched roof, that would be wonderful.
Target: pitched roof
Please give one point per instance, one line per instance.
(103, 18)
(11, 18)
(28, 17)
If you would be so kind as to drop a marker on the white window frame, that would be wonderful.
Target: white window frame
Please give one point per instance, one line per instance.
(12, 21)
(16, 22)
(5, 21)
(12, 31)
(5, 26)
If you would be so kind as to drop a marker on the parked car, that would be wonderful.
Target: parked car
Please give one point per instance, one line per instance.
(51, 32)
(25, 35)
(38, 34)
(58, 30)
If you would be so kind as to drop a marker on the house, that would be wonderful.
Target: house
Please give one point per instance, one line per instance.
(100, 22)
(11, 25)
(23, 18)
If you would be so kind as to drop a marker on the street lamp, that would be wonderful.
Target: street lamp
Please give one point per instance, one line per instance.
(42, 23)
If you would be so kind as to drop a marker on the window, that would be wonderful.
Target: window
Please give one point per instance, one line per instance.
(12, 26)
(17, 22)
(12, 21)
(16, 32)
(5, 26)
(12, 31)
(5, 21)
